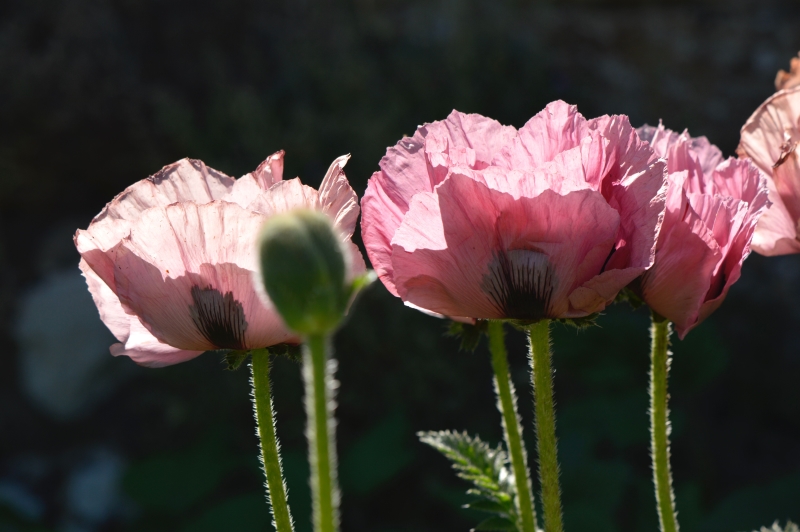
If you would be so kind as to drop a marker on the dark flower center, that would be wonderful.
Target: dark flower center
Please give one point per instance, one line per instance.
(520, 284)
(219, 318)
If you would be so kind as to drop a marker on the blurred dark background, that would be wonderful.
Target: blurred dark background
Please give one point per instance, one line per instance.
(97, 94)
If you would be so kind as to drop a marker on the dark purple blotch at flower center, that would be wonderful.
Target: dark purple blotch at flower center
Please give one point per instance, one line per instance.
(520, 283)
(219, 318)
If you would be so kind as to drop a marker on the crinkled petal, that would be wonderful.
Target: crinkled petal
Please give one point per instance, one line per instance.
(185, 180)
(636, 186)
(286, 196)
(764, 133)
(677, 284)
(466, 250)
(269, 172)
(556, 128)
(707, 156)
(722, 215)
(406, 171)
(578, 168)
(337, 198)
(640, 201)
(776, 233)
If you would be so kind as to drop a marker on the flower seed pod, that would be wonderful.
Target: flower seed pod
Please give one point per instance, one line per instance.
(304, 267)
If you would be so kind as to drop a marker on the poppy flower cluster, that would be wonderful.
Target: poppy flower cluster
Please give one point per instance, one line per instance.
(468, 219)
(473, 219)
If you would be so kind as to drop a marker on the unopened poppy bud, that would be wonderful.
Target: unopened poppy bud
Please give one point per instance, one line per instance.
(304, 267)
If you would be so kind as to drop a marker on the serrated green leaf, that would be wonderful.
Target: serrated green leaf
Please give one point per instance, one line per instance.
(581, 323)
(234, 359)
(776, 527)
(496, 523)
(486, 468)
(290, 351)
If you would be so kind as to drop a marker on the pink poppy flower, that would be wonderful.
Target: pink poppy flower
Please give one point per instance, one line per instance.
(169, 262)
(787, 80)
(769, 138)
(712, 210)
(471, 218)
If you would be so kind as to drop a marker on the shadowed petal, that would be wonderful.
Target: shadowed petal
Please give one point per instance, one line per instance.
(636, 186)
(186, 256)
(145, 349)
(407, 170)
(776, 233)
(676, 285)
(467, 250)
(108, 305)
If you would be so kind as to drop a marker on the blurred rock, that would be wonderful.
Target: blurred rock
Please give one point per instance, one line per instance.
(19, 499)
(92, 490)
(64, 361)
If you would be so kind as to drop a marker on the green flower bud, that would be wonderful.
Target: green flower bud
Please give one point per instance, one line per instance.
(304, 267)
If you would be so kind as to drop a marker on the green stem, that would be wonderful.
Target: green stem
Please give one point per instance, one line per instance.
(270, 448)
(539, 334)
(659, 423)
(318, 371)
(512, 429)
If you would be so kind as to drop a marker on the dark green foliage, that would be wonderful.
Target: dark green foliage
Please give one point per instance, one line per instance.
(235, 358)
(628, 295)
(469, 334)
(290, 351)
(581, 323)
(173, 483)
(377, 456)
(487, 469)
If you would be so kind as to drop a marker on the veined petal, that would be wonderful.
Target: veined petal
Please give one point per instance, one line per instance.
(337, 198)
(556, 128)
(636, 186)
(769, 128)
(285, 196)
(677, 284)
(179, 238)
(776, 233)
(269, 172)
(185, 180)
(406, 170)
(468, 250)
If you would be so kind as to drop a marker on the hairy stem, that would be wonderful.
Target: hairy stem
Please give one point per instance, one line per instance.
(270, 447)
(542, 376)
(318, 370)
(512, 429)
(660, 358)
